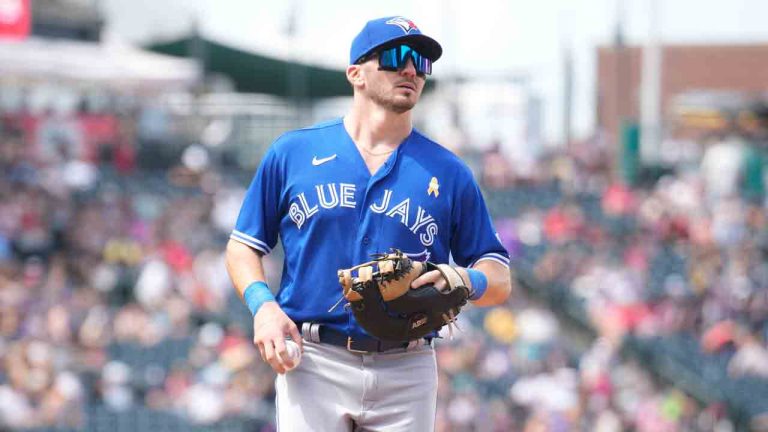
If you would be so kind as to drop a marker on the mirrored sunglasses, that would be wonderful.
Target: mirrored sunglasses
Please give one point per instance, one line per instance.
(395, 58)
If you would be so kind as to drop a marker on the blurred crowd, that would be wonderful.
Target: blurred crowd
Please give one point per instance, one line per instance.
(683, 258)
(113, 291)
(516, 369)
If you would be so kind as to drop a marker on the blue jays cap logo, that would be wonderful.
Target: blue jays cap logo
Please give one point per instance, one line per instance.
(404, 23)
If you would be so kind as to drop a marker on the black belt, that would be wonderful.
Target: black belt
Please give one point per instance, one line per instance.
(315, 332)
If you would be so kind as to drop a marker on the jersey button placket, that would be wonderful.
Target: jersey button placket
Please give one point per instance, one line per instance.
(379, 176)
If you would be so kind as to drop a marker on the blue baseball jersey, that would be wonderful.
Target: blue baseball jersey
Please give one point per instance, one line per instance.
(314, 191)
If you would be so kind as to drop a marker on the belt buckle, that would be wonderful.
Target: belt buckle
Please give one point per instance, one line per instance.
(350, 349)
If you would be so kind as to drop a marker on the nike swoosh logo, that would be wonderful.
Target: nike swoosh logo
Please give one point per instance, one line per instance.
(316, 161)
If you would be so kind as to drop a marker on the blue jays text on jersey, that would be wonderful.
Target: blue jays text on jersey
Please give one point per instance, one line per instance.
(314, 191)
(418, 222)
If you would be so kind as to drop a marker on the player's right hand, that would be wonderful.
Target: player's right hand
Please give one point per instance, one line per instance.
(270, 327)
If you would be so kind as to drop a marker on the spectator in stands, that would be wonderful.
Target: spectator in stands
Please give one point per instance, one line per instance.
(722, 165)
(496, 170)
(751, 358)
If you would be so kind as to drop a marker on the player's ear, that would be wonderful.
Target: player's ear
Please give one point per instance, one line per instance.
(355, 75)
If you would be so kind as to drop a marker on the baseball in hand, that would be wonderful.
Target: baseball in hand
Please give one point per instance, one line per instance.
(294, 353)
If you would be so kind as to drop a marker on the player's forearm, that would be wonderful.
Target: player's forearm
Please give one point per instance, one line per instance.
(243, 265)
(499, 283)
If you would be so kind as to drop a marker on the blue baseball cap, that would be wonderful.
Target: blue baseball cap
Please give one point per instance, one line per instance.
(383, 31)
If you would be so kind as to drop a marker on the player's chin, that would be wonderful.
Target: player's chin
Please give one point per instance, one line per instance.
(402, 107)
(403, 103)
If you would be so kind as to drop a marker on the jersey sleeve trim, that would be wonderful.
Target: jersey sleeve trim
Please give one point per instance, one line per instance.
(250, 241)
(499, 258)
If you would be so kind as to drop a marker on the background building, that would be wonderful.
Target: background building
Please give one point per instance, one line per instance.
(725, 76)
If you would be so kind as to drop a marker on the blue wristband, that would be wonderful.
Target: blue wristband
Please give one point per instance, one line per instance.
(479, 283)
(256, 294)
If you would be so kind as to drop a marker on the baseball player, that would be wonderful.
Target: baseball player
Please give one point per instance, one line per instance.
(336, 193)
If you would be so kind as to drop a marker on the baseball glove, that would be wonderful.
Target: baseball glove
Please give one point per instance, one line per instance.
(388, 308)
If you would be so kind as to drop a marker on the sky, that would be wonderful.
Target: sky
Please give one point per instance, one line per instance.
(480, 38)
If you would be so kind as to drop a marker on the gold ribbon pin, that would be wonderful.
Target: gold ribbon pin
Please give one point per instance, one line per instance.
(433, 187)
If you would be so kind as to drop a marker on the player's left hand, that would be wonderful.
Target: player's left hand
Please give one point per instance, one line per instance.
(435, 278)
